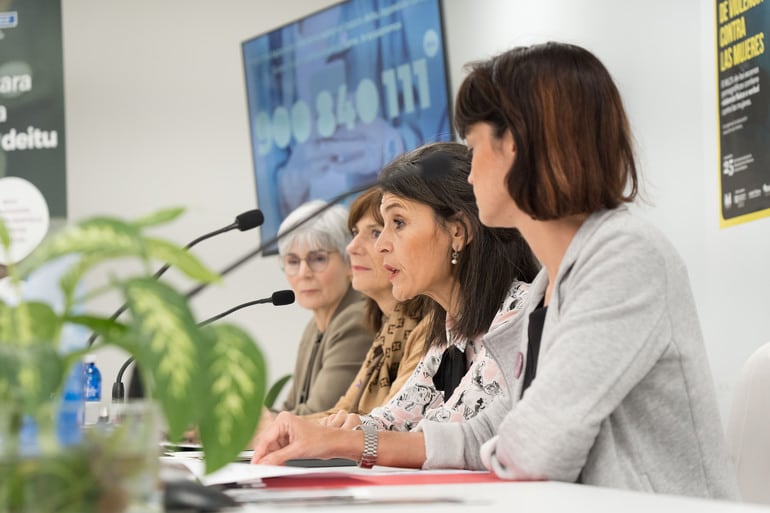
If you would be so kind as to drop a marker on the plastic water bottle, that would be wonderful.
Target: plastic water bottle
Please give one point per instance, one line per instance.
(70, 418)
(92, 383)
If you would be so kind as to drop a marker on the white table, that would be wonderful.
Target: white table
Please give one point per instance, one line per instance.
(516, 497)
(462, 497)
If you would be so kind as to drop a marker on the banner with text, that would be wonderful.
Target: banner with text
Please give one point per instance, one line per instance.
(32, 98)
(744, 110)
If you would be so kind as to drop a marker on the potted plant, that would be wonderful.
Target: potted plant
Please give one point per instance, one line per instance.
(211, 377)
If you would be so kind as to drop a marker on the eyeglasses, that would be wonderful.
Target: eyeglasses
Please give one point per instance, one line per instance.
(317, 261)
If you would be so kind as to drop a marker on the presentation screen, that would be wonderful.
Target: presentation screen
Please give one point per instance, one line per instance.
(336, 95)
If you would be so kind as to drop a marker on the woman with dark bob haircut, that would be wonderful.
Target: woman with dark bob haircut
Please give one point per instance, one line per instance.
(607, 377)
(617, 389)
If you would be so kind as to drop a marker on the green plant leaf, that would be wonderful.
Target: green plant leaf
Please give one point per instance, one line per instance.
(234, 383)
(8, 380)
(5, 323)
(109, 330)
(169, 345)
(213, 378)
(31, 374)
(30, 368)
(163, 216)
(71, 279)
(275, 390)
(64, 481)
(98, 237)
(29, 323)
(5, 237)
(181, 259)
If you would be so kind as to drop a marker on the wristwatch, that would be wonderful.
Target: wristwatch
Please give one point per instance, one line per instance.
(371, 437)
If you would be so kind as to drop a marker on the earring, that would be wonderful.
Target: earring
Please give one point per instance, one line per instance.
(455, 256)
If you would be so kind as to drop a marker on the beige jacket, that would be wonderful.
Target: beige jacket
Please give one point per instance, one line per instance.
(324, 374)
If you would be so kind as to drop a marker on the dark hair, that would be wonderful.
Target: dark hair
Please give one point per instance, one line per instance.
(368, 203)
(574, 153)
(493, 257)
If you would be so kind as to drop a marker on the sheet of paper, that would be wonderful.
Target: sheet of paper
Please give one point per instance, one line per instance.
(248, 473)
(232, 473)
(242, 456)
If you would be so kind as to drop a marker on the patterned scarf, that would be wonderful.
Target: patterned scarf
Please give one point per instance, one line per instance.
(384, 359)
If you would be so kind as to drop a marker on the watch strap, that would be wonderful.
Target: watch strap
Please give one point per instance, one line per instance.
(371, 442)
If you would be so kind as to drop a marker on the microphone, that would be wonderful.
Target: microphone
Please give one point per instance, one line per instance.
(243, 222)
(248, 220)
(278, 298)
(431, 167)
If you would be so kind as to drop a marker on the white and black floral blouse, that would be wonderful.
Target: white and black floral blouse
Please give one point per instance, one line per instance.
(419, 399)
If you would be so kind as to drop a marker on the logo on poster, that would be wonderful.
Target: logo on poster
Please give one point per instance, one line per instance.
(728, 200)
(8, 19)
(727, 166)
(739, 198)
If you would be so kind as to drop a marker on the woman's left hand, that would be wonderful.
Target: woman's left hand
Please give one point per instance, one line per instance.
(290, 436)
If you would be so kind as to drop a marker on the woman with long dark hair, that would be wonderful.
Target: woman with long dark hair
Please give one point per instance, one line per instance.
(433, 245)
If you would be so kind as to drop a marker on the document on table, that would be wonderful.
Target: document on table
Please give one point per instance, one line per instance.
(321, 486)
(198, 455)
(231, 473)
(240, 473)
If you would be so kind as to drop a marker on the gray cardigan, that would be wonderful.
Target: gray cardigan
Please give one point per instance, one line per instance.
(623, 395)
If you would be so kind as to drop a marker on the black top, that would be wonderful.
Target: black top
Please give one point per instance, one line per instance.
(303, 396)
(450, 371)
(534, 334)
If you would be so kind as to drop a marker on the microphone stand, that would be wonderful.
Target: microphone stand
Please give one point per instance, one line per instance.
(432, 167)
(259, 249)
(279, 298)
(244, 221)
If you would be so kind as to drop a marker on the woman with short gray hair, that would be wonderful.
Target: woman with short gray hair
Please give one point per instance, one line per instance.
(328, 229)
(335, 341)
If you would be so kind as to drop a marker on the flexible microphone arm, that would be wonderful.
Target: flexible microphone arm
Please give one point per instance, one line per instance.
(278, 298)
(118, 390)
(244, 222)
(431, 167)
(259, 249)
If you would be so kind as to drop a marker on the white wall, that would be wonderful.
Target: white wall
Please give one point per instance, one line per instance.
(156, 115)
